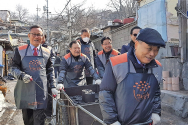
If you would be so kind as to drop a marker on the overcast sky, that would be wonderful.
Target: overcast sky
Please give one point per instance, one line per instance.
(54, 5)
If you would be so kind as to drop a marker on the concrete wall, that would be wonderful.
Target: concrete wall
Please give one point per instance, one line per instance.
(5, 15)
(97, 43)
(185, 75)
(144, 2)
(171, 4)
(172, 21)
(119, 36)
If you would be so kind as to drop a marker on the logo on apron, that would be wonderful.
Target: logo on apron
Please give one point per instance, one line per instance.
(35, 103)
(34, 65)
(78, 68)
(140, 90)
(87, 51)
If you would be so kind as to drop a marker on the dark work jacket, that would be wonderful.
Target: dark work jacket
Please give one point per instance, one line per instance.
(102, 59)
(57, 61)
(89, 50)
(32, 95)
(109, 96)
(125, 48)
(71, 70)
(52, 53)
(20, 72)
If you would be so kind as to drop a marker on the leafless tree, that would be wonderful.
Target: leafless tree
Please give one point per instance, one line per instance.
(21, 12)
(13, 15)
(124, 8)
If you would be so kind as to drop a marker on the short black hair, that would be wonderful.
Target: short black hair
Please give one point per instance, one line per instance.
(105, 38)
(73, 42)
(35, 26)
(136, 27)
(85, 30)
(67, 51)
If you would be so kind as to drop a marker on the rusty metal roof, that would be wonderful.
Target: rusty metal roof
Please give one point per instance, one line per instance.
(6, 44)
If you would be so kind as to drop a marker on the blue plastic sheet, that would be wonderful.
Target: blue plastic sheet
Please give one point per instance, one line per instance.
(153, 15)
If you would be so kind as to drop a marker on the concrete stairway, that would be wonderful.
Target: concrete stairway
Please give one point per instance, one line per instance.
(174, 107)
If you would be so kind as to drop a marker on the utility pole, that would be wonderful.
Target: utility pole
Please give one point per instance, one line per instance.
(38, 9)
(181, 8)
(47, 24)
(120, 9)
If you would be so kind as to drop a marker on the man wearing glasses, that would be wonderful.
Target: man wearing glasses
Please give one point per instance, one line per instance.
(134, 31)
(104, 55)
(33, 68)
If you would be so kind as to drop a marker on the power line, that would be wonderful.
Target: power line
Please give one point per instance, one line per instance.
(63, 10)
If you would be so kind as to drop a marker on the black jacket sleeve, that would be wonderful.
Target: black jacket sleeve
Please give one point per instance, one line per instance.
(106, 96)
(157, 102)
(99, 66)
(124, 49)
(50, 73)
(16, 64)
(89, 67)
(63, 70)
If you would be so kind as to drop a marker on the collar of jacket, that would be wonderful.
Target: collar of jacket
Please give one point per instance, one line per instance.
(45, 45)
(107, 54)
(131, 43)
(75, 57)
(82, 42)
(132, 57)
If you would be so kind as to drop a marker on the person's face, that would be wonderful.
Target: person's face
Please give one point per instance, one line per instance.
(134, 34)
(43, 39)
(58, 55)
(107, 45)
(144, 52)
(35, 36)
(75, 49)
(85, 34)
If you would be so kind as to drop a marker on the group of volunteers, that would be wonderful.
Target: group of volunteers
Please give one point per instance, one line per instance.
(129, 81)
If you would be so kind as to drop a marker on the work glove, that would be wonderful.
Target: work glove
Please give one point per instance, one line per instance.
(116, 123)
(98, 81)
(27, 78)
(156, 118)
(54, 92)
(59, 87)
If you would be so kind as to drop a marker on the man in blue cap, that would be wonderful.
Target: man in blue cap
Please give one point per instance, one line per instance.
(129, 92)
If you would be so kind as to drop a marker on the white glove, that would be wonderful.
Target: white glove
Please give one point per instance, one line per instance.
(60, 87)
(54, 92)
(156, 118)
(26, 78)
(98, 81)
(116, 123)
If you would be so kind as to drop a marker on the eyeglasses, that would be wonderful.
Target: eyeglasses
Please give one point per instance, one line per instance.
(135, 35)
(34, 35)
(107, 44)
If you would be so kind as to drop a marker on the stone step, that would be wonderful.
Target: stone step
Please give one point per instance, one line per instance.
(175, 102)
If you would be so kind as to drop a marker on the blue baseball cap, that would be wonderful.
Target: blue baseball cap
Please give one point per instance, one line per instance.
(151, 37)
